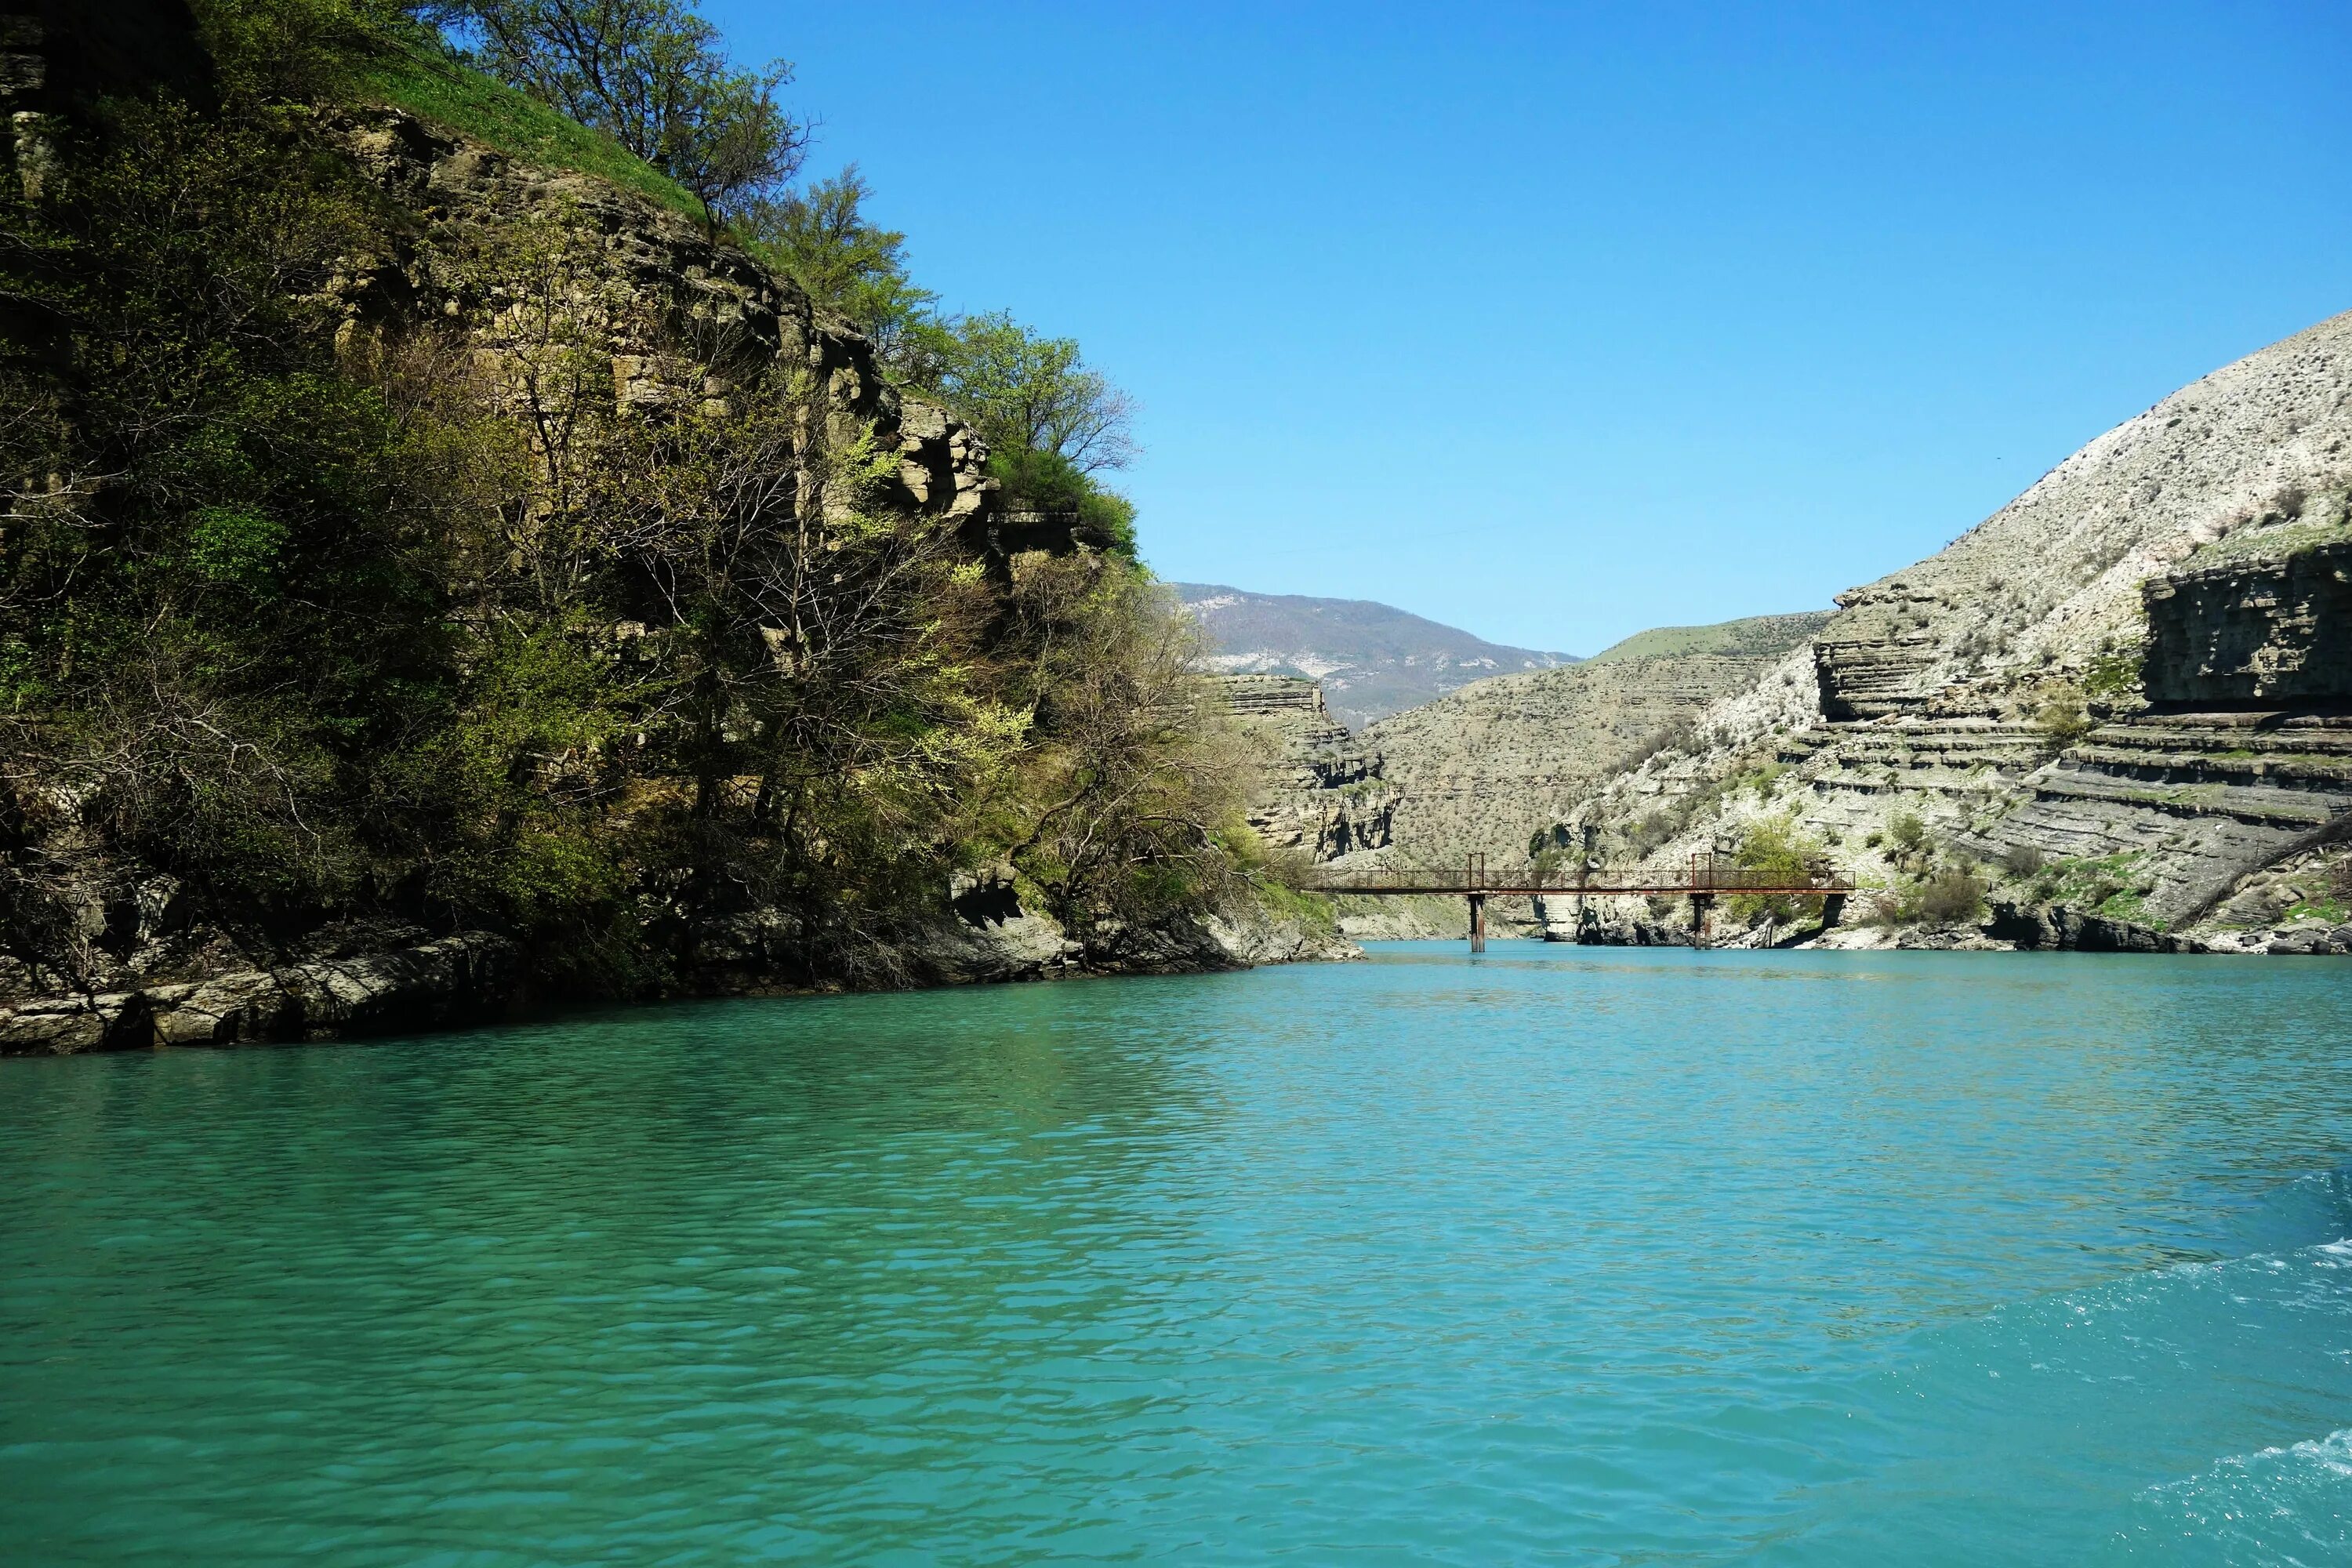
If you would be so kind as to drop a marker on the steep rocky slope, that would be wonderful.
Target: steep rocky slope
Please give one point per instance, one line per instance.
(1372, 660)
(664, 281)
(2055, 576)
(2114, 707)
(1317, 793)
(1483, 769)
(532, 279)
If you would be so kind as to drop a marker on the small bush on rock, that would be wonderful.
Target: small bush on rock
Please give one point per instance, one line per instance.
(1905, 834)
(2060, 718)
(1952, 895)
(1777, 848)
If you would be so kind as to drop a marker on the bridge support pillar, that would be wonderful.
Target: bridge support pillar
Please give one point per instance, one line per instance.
(1832, 910)
(1700, 904)
(1478, 922)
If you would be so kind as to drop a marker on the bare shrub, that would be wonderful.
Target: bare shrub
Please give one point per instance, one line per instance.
(1880, 908)
(1679, 736)
(1648, 835)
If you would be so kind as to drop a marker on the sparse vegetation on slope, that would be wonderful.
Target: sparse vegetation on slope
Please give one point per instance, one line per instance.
(2124, 689)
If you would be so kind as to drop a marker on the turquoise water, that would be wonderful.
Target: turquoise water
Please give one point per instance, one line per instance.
(1554, 1255)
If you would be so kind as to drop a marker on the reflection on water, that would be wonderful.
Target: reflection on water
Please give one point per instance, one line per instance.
(1556, 1254)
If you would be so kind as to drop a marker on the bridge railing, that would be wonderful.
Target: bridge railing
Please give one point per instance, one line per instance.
(1702, 874)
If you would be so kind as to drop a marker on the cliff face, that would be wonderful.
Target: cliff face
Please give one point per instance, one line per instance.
(2116, 704)
(1483, 769)
(2262, 633)
(555, 304)
(676, 320)
(1317, 794)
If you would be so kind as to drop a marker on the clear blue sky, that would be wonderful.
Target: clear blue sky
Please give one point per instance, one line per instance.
(1554, 323)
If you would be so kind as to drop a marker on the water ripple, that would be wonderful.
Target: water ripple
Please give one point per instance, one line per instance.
(1555, 1257)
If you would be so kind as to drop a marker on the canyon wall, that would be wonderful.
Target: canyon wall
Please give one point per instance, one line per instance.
(1316, 792)
(529, 276)
(2116, 705)
(2259, 633)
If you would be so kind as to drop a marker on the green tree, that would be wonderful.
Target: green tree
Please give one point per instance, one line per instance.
(1053, 424)
(1028, 393)
(821, 238)
(1777, 848)
(652, 74)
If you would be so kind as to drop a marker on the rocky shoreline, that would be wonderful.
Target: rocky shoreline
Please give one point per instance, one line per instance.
(475, 978)
(2012, 929)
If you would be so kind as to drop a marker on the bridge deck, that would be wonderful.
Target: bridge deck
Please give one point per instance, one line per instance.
(1702, 876)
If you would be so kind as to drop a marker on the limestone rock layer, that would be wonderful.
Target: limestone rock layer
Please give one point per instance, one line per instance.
(2119, 704)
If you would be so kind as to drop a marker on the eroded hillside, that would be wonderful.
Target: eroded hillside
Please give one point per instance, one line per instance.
(2108, 715)
(1483, 769)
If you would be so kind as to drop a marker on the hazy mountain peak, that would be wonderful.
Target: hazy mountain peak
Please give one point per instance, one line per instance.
(1373, 659)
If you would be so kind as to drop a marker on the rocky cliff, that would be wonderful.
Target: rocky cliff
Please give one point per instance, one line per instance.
(550, 310)
(2257, 633)
(2098, 718)
(673, 318)
(1316, 793)
(2052, 577)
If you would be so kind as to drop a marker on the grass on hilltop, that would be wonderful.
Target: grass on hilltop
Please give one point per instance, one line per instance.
(1755, 636)
(433, 87)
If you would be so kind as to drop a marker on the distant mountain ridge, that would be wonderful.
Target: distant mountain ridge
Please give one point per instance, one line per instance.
(1373, 659)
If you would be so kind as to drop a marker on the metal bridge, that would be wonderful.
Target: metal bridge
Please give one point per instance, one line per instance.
(1701, 880)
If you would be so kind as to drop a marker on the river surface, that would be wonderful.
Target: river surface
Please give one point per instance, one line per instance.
(1552, 1255)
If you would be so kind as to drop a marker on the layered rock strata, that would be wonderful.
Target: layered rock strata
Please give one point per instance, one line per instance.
(680, 319)
(1317, 793)
(2115, 703)
(2255, 634)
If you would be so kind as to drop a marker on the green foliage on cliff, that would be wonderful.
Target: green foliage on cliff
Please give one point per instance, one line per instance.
(2114, 672)
(2115, 886)
(1054, 425)
(653, 75)
(334, 624)
(217, 575)
(1777, 848)
(820, 238)
(2060, 718)
(425, 81)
